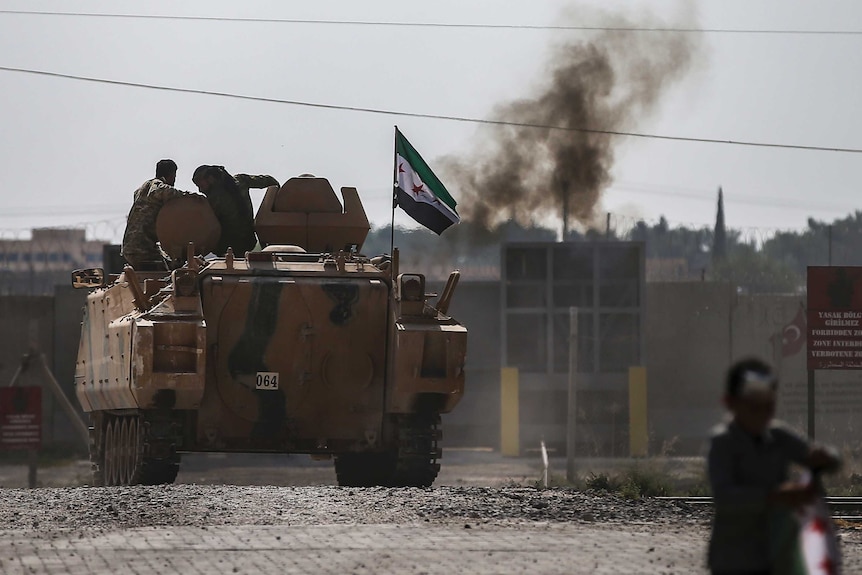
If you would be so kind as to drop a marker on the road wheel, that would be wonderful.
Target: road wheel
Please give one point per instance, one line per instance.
(110, 453)
(97, 449)
(135, 450)
(117, 453)
(125, 474)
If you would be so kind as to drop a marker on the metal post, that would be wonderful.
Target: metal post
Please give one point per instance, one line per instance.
(830, 243)
(21, 367)
(572, 411)
(545, 464)
(811, 404)
(32, 466)
(638, 425)
(510, 427)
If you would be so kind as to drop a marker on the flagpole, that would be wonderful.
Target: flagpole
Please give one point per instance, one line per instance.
(394, 193)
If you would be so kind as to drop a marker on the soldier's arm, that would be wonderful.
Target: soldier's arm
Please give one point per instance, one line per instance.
(264, 181)
(164, 192)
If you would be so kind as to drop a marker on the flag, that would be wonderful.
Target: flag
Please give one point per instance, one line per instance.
(804, 541)
(818, 540)
(419, 192)
(793, 335)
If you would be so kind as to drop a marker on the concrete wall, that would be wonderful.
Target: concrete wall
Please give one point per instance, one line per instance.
(687, 347)
(52, 326)
(68, 310)
(695, 330)
(27, 323)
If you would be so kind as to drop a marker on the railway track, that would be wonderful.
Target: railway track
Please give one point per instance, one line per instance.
(844, 508)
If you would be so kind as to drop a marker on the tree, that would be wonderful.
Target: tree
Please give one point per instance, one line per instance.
(751, 271)
(719, 234)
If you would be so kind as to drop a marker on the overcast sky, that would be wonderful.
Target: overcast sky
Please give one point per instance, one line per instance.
(75, 151)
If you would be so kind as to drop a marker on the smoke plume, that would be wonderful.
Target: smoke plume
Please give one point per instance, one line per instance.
(612, 82)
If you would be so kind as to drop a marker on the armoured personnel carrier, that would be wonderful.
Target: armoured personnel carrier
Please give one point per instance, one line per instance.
(306, 346)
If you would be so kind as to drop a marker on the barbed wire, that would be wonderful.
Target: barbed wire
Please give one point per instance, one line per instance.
(109, 229)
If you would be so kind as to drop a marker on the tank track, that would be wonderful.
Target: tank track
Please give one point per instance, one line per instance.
(418, 450)
(129, 449)
(413, 463)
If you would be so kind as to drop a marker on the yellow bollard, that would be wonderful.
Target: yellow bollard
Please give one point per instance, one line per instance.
(509, 424)
(638, 433)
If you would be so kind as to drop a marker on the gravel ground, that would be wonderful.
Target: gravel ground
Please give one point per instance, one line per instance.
(226, 515)
(48, 509)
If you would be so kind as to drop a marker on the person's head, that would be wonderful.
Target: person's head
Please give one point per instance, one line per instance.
(167, 171)
(750, 394)
(203, 178)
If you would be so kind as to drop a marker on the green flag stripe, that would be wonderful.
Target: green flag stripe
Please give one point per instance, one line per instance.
(409, 153)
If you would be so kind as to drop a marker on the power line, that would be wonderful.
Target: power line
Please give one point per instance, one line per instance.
(678, 30)
(432, 116)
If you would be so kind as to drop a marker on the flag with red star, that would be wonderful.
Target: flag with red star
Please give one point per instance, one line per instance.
(804, 541)
(818, 541)
(419, 192)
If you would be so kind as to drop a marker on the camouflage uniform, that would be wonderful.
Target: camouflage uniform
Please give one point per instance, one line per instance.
(245, 181)
(230, 200)
(139, 240)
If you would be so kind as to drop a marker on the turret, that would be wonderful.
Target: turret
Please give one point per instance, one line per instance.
(305, 212)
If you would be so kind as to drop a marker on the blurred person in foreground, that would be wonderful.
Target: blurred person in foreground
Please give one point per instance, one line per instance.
(749, 464)
(231, 202)
(139, 240)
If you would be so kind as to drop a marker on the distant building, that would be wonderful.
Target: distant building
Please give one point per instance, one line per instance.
(34, 266)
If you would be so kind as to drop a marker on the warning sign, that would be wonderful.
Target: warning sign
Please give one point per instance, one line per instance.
(835, 317)
(20, 418)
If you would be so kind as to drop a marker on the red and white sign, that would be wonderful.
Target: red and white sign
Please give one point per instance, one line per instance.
(20, 418)
(835, 317)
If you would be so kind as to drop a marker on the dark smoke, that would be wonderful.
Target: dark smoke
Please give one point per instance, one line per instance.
(612, 82)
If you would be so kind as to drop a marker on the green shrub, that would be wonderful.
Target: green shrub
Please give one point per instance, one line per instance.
(637, 482)
(600, 482)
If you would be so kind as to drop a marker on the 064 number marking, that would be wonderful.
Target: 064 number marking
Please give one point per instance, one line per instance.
(266, 380)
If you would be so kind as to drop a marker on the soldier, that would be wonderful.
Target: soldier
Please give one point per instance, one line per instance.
(231, 202)
(139, 239)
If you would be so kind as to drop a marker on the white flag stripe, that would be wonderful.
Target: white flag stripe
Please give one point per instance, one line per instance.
(412, 184)
(820, 552)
